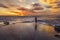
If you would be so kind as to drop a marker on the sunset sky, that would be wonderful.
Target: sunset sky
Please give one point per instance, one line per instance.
(6, 6)
(18, 2)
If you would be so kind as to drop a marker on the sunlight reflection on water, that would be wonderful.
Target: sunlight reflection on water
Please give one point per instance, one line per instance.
(46, 29)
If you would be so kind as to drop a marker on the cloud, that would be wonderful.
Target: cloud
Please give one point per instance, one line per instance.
(4, 6)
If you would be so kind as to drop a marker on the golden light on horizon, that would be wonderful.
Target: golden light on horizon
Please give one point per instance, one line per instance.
(13, 12)
(8, 12)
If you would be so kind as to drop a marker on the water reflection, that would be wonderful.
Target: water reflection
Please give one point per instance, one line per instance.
(26, 30)
(46, 29)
